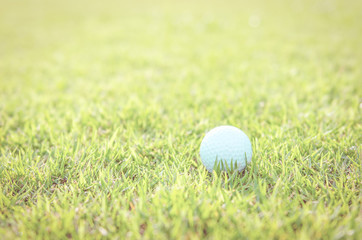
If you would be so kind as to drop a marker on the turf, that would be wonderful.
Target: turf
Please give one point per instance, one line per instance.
(103, 106)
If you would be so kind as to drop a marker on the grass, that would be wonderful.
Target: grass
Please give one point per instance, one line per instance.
(103, 107)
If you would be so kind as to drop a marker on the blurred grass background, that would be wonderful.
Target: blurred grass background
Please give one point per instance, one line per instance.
(103, 106)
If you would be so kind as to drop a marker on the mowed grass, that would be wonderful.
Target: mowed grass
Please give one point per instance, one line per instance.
(103, 106)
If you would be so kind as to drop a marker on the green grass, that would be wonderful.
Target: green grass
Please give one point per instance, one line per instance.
(103, 107)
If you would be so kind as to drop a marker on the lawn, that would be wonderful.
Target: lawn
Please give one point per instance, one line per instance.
(103, 106)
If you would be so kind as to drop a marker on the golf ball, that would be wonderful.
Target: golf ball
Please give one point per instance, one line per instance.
(227, 144)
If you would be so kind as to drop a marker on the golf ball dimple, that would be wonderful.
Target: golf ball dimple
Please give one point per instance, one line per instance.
(227, 144)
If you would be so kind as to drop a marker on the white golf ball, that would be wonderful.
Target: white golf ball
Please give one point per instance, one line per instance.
(227, 145)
